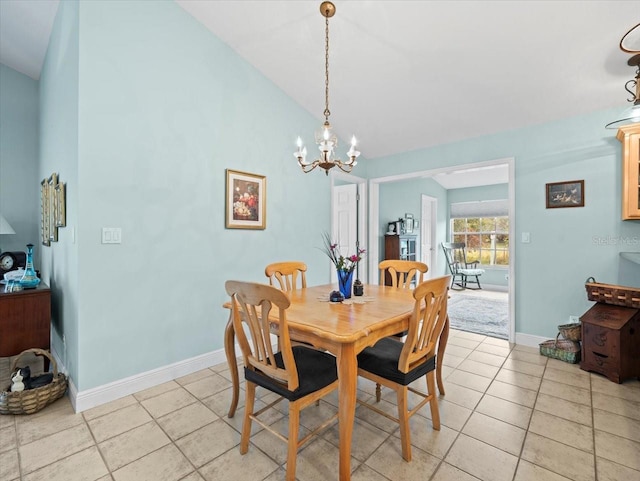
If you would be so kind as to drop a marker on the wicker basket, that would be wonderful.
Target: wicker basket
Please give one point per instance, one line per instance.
(30, 401)
(572, 332)
(612, 294)
(562, 349)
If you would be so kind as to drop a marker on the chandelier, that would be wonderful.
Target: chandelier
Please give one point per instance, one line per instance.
(630, 43)
(327, 141)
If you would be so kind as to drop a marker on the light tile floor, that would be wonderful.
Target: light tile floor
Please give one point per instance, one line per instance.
(509, 414)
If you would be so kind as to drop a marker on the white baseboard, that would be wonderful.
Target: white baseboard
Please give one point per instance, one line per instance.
(529, 339)
(90, 398)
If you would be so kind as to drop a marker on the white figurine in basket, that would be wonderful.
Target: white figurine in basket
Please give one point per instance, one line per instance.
(17, 384)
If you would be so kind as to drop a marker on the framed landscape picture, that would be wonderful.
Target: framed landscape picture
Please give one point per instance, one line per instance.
(246, 198)
(565, 194)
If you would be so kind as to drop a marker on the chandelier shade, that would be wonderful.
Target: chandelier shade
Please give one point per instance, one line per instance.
(326, 140)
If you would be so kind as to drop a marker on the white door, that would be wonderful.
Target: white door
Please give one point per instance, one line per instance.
(428, 235)
(344, 230)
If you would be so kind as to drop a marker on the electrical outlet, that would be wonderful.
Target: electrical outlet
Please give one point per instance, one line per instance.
(574, 319)
(64, 340)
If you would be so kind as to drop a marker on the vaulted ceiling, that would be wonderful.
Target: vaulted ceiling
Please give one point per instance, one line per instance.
(406, 75)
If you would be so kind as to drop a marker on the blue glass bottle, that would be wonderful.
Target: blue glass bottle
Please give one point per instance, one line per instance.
(29, 279)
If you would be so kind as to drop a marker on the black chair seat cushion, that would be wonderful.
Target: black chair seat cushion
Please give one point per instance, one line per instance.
(316, 369)
(382, 360)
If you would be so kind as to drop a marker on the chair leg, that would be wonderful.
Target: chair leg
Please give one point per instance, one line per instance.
(433, 403)
(378, 392)
(292, 451)
(403, 418)
(248, 411)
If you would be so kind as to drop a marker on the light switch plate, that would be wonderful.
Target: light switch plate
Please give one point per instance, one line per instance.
(111, 235)
(526, 237)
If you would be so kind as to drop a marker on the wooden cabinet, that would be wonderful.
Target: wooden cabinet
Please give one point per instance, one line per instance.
(400, 247)
(25, 320)
(629, 135)
(611, 341)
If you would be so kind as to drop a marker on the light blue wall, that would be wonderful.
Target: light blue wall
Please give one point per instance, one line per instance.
(59, 153)
(565, 248)
(494, 276)
(163, 108)
(19, 185)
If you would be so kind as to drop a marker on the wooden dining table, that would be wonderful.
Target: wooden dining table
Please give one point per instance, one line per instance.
(344, 329)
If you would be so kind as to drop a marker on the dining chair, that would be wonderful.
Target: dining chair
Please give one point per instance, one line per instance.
(286, 274)
(401, 273)
(289, 275)
(396, 365)
(300, 374)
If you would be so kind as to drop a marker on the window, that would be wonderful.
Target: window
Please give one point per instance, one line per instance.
(486, 238)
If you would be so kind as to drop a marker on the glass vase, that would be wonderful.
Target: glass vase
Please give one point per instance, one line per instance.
(345, 279)
(29, 279)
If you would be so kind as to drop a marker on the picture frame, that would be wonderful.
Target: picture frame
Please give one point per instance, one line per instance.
(408, 223)
(61, 207)
(565, 194)
(44, 212)
(53, 208)
(246, 200)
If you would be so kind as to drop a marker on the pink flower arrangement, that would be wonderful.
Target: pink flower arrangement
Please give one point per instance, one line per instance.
(342, 263)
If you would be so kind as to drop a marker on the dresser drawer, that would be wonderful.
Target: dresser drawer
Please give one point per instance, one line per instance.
(601, 340)
(600, 362)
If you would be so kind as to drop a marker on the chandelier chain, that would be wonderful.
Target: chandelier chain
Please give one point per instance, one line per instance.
(326, 71)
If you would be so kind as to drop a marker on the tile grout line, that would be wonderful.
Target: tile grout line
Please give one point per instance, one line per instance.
(533, 409)
(442, 461)
(593, 429)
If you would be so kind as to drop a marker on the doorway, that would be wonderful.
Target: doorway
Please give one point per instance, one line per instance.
(438, 266)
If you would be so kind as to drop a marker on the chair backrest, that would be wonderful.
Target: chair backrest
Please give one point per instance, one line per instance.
(427, 322)
(252, 304)
(456, 255)
(287, 274)
(402, 273)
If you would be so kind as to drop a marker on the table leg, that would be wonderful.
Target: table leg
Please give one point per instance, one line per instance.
(347, 377)
(442, 344)
(230, 351)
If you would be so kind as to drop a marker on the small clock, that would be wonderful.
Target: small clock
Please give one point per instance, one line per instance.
(11, 261)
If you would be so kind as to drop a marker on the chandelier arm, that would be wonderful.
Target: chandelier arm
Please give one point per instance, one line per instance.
(308, 167)
(344, 167)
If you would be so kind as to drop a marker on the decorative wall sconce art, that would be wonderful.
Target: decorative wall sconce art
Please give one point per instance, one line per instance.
(53, 208)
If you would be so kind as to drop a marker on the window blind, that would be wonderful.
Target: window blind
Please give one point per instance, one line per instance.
(482, 208)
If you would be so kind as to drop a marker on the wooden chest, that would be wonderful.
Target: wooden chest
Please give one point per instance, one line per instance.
(611, 341)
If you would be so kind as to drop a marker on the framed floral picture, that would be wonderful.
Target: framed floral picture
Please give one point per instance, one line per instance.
(246, 200)
(565, 194)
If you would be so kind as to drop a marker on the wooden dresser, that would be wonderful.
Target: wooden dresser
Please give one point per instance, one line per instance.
(611, 341)
(25, 320)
